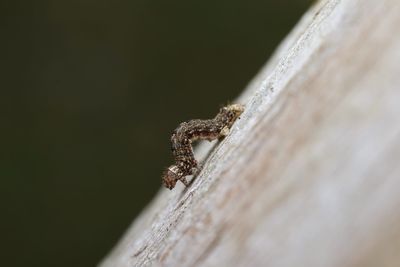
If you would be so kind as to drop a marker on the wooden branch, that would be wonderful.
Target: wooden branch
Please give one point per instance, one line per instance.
(310, 174)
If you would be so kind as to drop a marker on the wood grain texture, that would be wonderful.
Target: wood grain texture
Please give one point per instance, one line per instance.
(310, 174)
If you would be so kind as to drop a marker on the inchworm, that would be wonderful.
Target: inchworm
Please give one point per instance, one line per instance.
(186, 133)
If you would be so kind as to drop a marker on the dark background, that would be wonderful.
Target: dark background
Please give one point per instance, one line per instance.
(91, 91)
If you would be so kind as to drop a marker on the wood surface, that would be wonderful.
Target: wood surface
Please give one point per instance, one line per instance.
(310, 174)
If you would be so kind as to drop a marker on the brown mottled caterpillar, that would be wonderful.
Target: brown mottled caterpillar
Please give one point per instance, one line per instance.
(187, 132)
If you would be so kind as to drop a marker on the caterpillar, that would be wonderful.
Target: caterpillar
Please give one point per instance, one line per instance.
(186, 133)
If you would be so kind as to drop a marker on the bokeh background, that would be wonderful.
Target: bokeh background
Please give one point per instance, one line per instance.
(91, 93)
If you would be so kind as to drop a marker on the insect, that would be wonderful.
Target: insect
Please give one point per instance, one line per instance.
(187, 132)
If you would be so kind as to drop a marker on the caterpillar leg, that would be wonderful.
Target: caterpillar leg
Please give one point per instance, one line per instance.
(196, 170)
(224, 132)
(184, 181)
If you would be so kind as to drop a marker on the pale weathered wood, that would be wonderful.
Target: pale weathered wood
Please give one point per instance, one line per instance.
(310, 175)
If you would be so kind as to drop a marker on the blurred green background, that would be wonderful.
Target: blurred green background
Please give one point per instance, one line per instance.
(91, 93)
